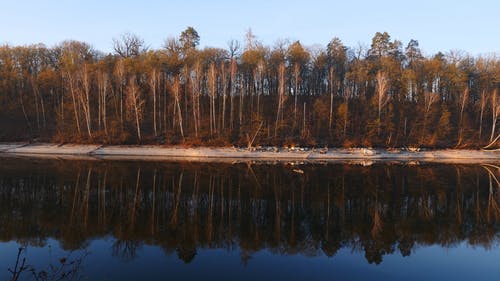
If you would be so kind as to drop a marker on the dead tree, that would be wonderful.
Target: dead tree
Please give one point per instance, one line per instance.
(382, 97)
(154, 77)
(195, 80)
(71, 80)
(119, 73)
(212, 79)
(233, 73)
(330, 86)
(495, 112)
(84, 97)
(176, 91)
(135, 103)
(463, 103)
(281, 96)
(38, 97)
(224, 95)
(102, 85)
(296, 78)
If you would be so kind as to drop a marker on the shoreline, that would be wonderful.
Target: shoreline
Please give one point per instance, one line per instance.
(232, 154)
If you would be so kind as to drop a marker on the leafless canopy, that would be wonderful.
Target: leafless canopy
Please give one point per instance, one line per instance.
(129, 45)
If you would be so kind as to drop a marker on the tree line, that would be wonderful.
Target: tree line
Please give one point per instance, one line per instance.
(249, 94)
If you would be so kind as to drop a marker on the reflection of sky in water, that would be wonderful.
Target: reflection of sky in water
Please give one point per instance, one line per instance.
(462, 262)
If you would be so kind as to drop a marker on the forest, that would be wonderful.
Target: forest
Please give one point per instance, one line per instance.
(248, 94)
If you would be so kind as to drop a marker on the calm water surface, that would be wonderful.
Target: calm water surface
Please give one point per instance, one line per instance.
(109, 220)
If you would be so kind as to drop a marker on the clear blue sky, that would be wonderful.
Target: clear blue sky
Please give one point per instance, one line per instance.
(439, 25)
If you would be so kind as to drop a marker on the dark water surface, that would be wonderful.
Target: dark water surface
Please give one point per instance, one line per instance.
(107, 220)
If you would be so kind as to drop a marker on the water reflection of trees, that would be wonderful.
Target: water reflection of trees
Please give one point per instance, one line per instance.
(181, 207)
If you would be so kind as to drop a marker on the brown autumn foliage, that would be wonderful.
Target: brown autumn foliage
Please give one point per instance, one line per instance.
(384, 96)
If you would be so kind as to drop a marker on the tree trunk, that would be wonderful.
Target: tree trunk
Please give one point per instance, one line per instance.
(224, 94)
(233, 73)
(195, 119)
(135, 104)
(42, 105)
(152, 83)
(346, 115)
(104, 98)
(35, 95)
(24, 113)
(495, 112)
(212, 88)
(463, 101)
(304, 122)
(330, 84)
(482, 106)
(85, 99)
(240, 107)
(296, 74)
(75, 109)
(177, 102)
(383, 98)
(137, 122)
(281, 96)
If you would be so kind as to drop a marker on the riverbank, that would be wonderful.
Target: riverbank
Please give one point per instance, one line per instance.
(213, 154)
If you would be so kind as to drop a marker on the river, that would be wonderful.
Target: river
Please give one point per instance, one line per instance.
(134, 220)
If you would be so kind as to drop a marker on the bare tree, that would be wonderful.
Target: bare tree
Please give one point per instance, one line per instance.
(243, 91)
(259, 84)
(382, 97)
(281, 96)
(224, 83)
(212, 79)
(304, 124)
(120, 75)
(330, 86)
(71, 81)
(463, 103)
(84, 97)
(38, 97)
(347, 96)
(482, 105)
(135, 103)
(195, 81)
(495, 114)
(296, 80)
(176, 91)
(154, 77)
(129, 45)
(429, 100)
(21, 100)
(103, 84)
(233, 73)
(234, 48)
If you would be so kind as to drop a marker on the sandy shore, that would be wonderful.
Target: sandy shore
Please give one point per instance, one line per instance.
(148, 152)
